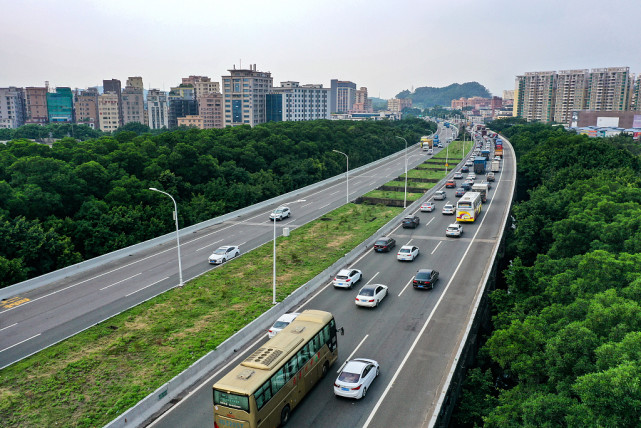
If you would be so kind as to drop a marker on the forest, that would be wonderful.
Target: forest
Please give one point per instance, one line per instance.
(75, 200)
(565, 345)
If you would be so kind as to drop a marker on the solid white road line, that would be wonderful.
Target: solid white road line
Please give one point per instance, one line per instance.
(213, 243)
(353, 352)
(146, 286)
(9, 326)
(370, 280)
(406, 285)
(434, 250)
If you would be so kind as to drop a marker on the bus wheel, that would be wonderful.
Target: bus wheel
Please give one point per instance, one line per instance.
(325, 369)
(284, 416)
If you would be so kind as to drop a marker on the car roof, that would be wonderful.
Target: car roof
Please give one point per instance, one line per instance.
(370, 287)
(424, 270)
(409, 247)
(224, 247)
(344, 271)
(355, 366)
(288, 317)
(454, 225)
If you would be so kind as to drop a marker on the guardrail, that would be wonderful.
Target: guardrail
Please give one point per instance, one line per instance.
(162, 397)
(33, 283)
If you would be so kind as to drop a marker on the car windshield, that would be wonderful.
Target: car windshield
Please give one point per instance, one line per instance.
(278, 211)
(405, 250)
(367, 292)
(423, 275)
(348, 377)
(281, 324)
(382, 242)
(341, 276)
(220, 251)
(452, 228)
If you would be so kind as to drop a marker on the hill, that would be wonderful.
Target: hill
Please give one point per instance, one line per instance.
(428, 96)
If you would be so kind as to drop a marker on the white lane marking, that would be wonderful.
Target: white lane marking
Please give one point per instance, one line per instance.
(353, 352)
(122, 280)
(429, 318)
(146, 286)
(406, 285)
(408, 242)
(428, 223)
(242, 243)
(9, 326)
(303, 206)
(333, 193)
(434, 250)
(208, 382)
(326, 205)
(213, 243)
(370, 280)
(9, 347)
(314, 296)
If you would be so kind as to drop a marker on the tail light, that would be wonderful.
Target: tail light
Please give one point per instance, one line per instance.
(371, 301)
(348, 280)
(357, 388)
(336, 386)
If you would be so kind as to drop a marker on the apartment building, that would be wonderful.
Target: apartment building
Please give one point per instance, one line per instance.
(157, 109)
(244, 96)
(133, 105)
(342, 96)
(570, 94)
(108, 112)
(635, 104)
(60, 105)
(36, 105)
(191, 120)
(114, 86)
(210, 109)
(294, 102)
(609, 89)
(362, 103)
(86, 106)
(11, 107)
(534, 95)
(398, 104)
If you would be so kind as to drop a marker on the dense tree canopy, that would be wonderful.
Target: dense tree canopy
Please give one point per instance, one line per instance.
(427, 96)
(79, 199)
(566, 345)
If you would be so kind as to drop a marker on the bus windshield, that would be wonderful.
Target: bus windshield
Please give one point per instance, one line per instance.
(231, 400)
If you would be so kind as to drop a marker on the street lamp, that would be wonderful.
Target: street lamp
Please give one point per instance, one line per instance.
(346, 175)
(180, 270)
(274, 269)
(405, 193)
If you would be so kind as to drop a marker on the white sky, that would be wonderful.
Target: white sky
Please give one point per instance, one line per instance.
(386, 46)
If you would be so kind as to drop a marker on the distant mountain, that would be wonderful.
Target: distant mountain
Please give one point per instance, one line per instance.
(428, 96)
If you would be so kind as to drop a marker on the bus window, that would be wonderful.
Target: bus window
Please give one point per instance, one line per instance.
(263, 395)
(325, 334)
(278, 380)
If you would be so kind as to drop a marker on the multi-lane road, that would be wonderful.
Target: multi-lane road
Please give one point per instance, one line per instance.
(34, 320)
(413, 334)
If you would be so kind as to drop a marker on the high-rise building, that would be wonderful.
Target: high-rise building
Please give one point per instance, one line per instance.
(60, 106)
(133, 101)
(362, 104)
(36, 105)
(293, 102)
(11, 107)
(210, 109)
(636, 95)
(113, 86)
(244, 92)
(182, 103)
(534, 95)
(157, 109)
(86, 107)
(342, 97)
(109, 116)
(570, 94)
(609, 89)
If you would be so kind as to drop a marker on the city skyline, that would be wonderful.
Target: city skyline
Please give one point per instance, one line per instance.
(386, 48)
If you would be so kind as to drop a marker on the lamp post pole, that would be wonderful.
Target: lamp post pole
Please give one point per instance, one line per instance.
(180, 269)
(346, 174)
(405, 193)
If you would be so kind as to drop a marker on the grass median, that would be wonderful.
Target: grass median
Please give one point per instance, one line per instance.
(92, 377)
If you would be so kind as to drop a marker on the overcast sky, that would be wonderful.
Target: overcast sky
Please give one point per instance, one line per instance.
(386, 46)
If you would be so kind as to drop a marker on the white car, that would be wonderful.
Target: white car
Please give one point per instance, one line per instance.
(371, 295)
(345, 278)
(440, 195)
(280, 213)
(454, 229)
(281, 323)
(427, 207)
(448, 209)
(224, 253)
(407, 252)
(355, 378)
(471, 176)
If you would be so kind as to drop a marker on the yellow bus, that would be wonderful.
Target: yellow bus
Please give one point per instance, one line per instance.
(263, 389)
(468, 207)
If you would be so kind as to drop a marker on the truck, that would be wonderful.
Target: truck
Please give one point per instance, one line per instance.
(426, 143)
(496, 165)
(483, 189)
(479, 165)
(498, 147)
(485, 154)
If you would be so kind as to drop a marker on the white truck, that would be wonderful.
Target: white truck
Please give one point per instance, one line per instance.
(496, 165)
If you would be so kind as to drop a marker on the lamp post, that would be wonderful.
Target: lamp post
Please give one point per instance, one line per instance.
(346, 174)
(405, 193)
(180, 270)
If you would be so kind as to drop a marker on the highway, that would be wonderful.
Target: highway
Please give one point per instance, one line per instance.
(37, 319)
(413, 334)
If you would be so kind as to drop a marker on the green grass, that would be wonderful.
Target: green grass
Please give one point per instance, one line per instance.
(410, 183)
(424, 173)
(92, 377)
(454, 151)
(388, 194)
